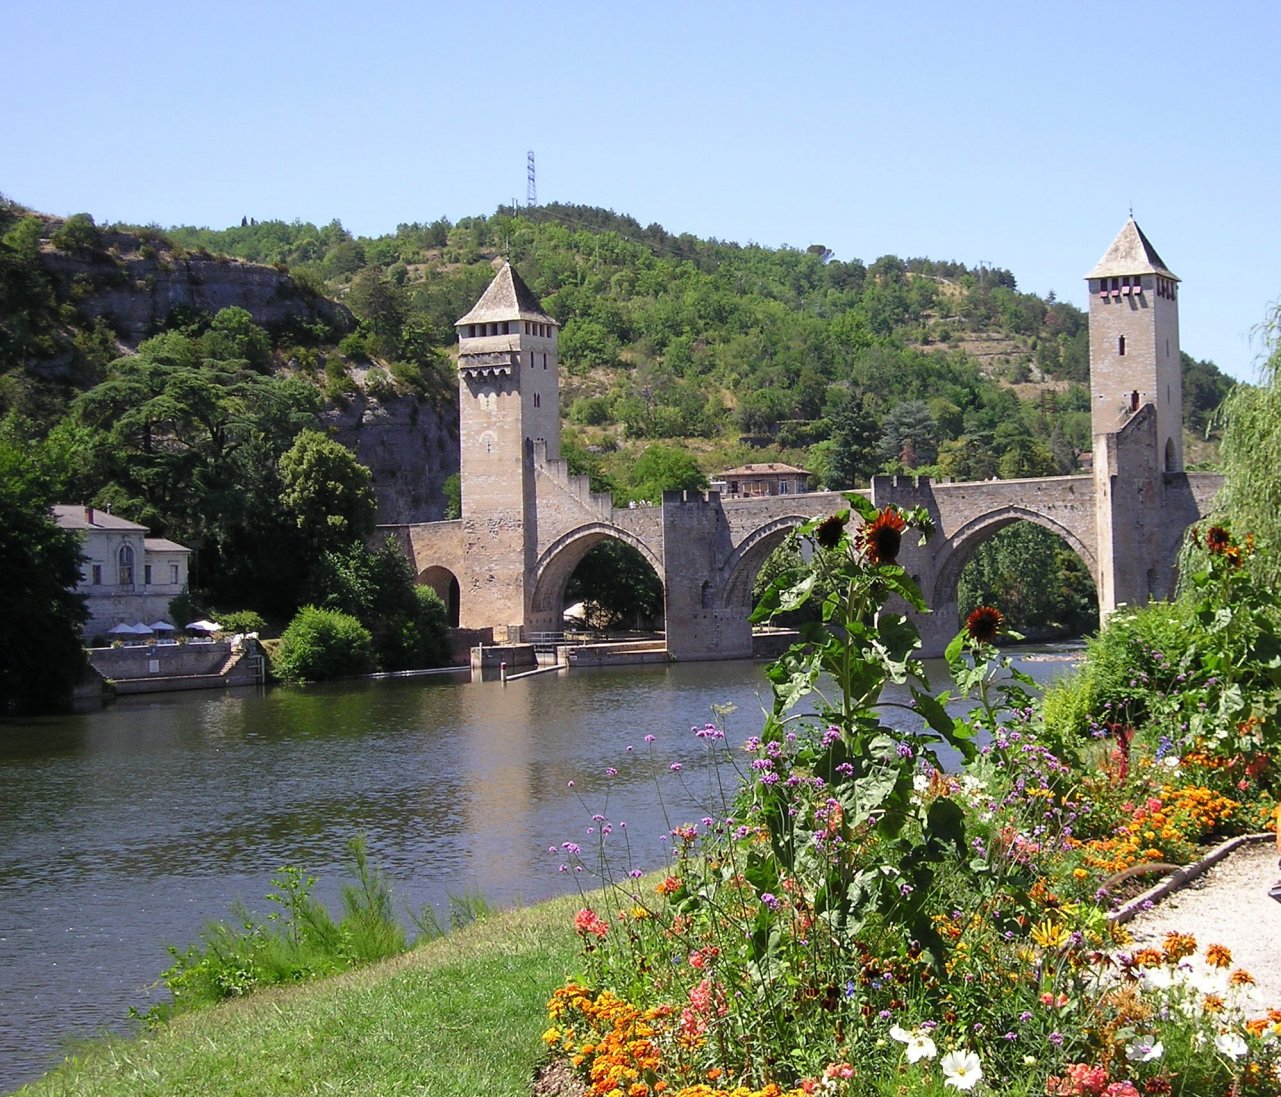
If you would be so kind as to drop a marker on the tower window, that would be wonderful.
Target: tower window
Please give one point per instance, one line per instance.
(538, 400)
(1120, 346)
(544, 359)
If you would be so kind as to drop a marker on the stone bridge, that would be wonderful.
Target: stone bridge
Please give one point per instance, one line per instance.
(707, 551)
(527, 522)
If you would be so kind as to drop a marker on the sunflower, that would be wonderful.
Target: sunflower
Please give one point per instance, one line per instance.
(830, 530)
(984, 624)
(1217, 539)
(882, 538)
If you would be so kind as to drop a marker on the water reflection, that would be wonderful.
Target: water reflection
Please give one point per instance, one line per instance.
(123, 831)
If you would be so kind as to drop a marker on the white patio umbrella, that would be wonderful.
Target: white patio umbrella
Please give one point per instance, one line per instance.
(121, 630)
(203, 626)
(161, 626)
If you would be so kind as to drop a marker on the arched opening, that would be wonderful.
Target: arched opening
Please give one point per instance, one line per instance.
(602, 578)
(1170, 458)
(613, 589)
(1033, 576)
(763, 555)
(445, 584)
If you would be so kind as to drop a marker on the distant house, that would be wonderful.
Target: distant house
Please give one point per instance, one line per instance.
(752, 481)
(126, 576)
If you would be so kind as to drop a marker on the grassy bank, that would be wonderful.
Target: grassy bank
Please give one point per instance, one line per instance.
(460, 1016)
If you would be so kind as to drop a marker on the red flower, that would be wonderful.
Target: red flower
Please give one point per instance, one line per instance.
(984, 624)
(588, 921)
(1217, 539)
(882, 538)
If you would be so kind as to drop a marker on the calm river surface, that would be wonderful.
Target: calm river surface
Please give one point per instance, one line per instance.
(127, 830)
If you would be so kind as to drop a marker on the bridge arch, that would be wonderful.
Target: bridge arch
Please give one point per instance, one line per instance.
(552, 572)
(956, 550)
(445, 583)
(741, 568)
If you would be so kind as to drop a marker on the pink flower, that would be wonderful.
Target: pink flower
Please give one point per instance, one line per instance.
(588, 921)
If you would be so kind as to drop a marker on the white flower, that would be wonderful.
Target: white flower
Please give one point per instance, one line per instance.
(919, 1045)
(1231, 1045)
(961, 1069)
(1144, 1049)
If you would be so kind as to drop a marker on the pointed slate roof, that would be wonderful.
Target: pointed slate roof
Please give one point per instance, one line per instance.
(507, 298)
(1131, 253)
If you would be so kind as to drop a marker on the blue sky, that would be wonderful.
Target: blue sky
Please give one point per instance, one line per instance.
(1015, 134)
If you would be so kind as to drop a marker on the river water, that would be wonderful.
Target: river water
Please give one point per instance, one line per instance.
(124, 831)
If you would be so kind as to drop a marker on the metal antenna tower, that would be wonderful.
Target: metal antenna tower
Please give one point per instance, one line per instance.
(531, 190)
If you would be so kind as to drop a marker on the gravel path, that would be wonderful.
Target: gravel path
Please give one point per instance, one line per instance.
(1229, 905)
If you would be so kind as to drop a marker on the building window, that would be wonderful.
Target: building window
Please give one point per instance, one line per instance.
(544, 359)
(538, 400)
(146, 575)
(125, 564)
(1120, 346)
(173, 574)
(97, 575)
(784, 487)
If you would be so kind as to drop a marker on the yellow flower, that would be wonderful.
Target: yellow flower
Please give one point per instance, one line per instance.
(1050, 934)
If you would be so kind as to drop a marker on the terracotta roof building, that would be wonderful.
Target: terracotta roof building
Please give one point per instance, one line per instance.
(753, 481)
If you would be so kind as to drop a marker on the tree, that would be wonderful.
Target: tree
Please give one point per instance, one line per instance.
(663, 468)
(1251, 453)
(909, 435)
(41, 657)
(855, 455)
(406, 622)
(328, 492)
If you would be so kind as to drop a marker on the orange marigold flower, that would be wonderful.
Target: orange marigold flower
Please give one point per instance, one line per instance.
(882, 538)
(984, 624)
(1212, 1003)
(1178, 945)
(1218, 956)
(669, 885)
(1241, 978)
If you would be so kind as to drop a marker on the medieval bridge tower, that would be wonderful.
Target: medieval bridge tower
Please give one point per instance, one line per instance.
(527, 521)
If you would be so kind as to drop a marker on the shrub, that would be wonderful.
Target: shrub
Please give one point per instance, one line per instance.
(242, 620)
(322, 643)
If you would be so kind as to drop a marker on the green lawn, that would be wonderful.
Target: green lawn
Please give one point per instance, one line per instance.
(460, 1016)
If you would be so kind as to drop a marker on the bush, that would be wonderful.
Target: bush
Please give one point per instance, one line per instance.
(322, 643)
(242, 620)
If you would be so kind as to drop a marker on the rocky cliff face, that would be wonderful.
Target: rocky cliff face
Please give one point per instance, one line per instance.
(134, 284)
(409, 446)
(134, 287)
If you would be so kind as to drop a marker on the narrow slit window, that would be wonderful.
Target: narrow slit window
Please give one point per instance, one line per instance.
(1120, 346)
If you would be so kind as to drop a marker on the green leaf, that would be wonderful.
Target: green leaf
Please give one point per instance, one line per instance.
(934, 713)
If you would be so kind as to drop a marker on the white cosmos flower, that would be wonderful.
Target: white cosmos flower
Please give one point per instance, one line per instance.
(1231, 1045)
(919, 1045)
(1144, 1049)
(961, 1069)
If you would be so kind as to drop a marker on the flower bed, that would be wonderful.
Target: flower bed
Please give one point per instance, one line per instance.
(850, 917)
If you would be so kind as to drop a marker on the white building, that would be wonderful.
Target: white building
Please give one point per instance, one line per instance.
(126, 576)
